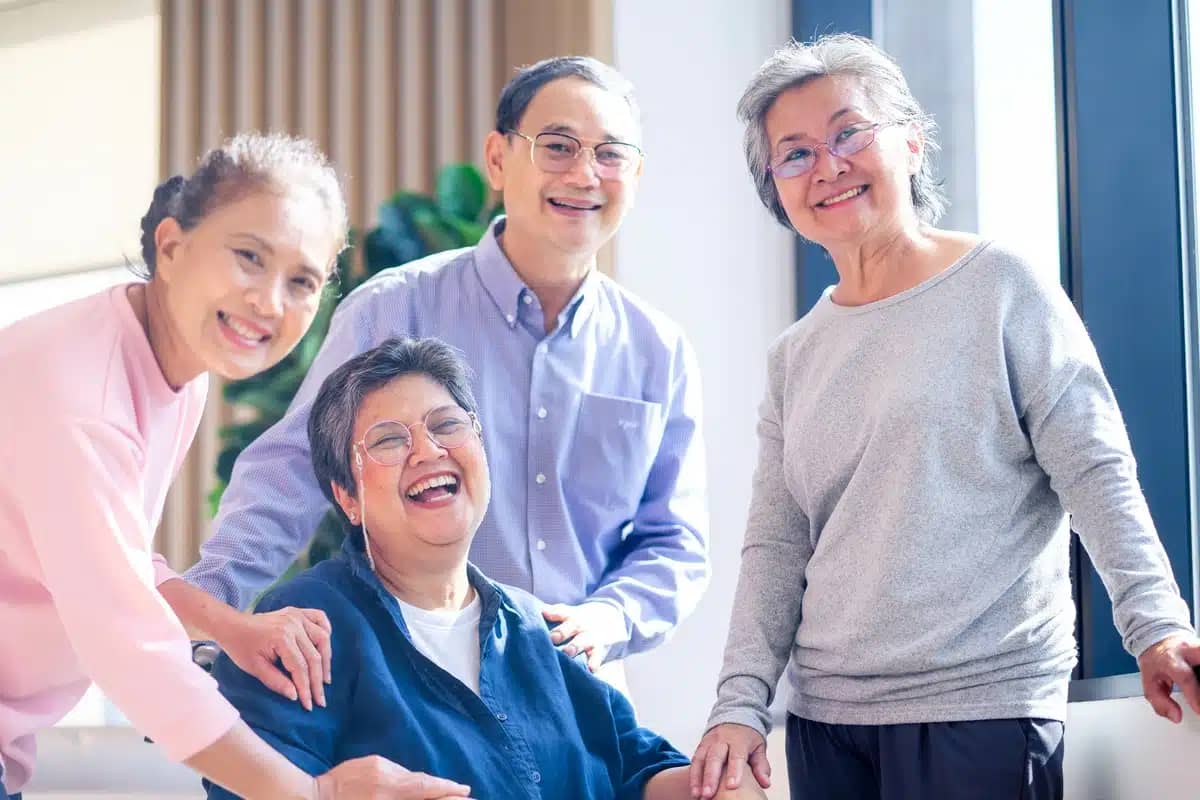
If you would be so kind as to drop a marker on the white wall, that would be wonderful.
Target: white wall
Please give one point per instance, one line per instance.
(79, 132)
(702, 248)
(1119, 750)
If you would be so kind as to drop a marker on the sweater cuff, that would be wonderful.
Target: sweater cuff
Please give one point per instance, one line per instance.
(1144, 640)
(162, 571)
(744, 700)
(740, 716)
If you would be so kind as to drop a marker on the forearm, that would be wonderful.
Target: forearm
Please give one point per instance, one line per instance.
(244, 764)
(204, 616)
(670, 784)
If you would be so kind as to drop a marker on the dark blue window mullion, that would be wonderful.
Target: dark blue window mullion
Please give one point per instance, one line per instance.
(810, 18)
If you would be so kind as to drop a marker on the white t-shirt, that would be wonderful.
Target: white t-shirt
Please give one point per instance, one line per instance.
(449, 639)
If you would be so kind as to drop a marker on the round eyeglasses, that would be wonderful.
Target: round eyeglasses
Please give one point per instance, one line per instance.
(800, 159)
(389, 442)
(557, 152)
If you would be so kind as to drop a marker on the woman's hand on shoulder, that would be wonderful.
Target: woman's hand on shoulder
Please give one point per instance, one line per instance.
(299, 638)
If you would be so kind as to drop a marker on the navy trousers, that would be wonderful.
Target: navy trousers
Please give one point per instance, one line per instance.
(994, 759)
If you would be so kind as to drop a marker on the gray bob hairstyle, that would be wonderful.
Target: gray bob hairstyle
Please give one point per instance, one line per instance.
(335, 409)
(837, 55)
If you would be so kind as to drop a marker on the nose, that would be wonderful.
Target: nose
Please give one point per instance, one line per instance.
(267, 298)
(829, 167)
(583, 170)
(423, 447)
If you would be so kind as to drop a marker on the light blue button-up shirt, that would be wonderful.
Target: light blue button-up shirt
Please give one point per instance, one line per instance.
(592, 433)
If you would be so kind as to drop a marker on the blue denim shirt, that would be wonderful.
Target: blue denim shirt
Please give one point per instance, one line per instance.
(592, 432)
(542, 726)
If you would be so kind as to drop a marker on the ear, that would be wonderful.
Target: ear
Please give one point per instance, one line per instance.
(347, 501)
(495, 149)
(915, 139)
(168, 242)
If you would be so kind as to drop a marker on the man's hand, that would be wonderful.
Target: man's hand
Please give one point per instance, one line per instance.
(591, 628)
(376, 778)
(299, 637)
(721, 757)
(1166, 665)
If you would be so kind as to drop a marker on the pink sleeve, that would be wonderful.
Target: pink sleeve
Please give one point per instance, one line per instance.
(162, 570)
(92, 541)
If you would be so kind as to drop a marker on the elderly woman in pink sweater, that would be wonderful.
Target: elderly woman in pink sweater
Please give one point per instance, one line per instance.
(102, 400)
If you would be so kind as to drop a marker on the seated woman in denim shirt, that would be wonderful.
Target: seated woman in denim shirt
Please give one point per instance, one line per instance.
(434, 666)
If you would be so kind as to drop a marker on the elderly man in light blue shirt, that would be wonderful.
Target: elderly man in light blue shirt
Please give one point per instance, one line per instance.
(590, 398)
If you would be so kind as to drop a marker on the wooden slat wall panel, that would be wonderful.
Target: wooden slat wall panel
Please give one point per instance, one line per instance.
(390, 89)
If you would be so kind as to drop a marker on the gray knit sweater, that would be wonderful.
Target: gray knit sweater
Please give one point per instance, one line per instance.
(906, 554)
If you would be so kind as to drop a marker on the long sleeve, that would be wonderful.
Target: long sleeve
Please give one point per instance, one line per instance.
(663, 567)
(91, 539)
(767, 604)
(1080, 441)
(273, 504)
(309, 739)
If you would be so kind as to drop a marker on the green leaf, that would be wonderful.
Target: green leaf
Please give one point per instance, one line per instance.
(214, 497)
(461, 191)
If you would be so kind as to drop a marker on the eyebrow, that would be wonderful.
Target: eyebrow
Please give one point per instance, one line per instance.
(423, 416)
(265, 245)
(570, 131)
(800, 137)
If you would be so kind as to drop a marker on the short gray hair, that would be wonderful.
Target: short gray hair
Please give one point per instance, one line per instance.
(836, 55)
(331, 419)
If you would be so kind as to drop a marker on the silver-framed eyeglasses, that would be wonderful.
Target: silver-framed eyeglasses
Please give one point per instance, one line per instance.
(796, 160)
(557, 152)
(389, 442)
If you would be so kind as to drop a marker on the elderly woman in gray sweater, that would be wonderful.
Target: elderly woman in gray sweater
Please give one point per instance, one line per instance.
(927, 429)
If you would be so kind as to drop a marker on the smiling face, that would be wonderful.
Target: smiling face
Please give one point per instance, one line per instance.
(571, 213)
(842, 200)
(243, 285)
(428, 505)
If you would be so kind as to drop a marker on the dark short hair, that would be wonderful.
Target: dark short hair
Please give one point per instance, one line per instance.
(246, 163)
(331, 419)
(528, 81)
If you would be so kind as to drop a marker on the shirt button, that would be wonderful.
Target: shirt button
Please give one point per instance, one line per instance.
(502, 716)
(535, 776)
(527, 299)
(510, 318)
(541, 478)
(541, 348)
(541, 544)
(542, 413)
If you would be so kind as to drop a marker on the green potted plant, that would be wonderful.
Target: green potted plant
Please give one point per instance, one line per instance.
(411, 226)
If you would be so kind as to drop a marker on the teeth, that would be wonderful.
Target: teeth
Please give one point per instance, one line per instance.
(569, 204)
(430, 483)
(242, 330)
(846, 195)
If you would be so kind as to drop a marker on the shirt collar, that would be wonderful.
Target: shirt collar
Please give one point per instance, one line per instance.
(497, 275)
(506, 288)
(491, 599)
(581, 305)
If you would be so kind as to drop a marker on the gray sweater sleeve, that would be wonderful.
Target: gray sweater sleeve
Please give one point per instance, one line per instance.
(1080, 441)
(766, 609)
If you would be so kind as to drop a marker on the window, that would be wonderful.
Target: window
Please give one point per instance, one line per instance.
(1073, 156)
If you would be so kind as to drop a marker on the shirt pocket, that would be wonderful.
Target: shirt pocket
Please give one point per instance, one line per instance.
(615, 442)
